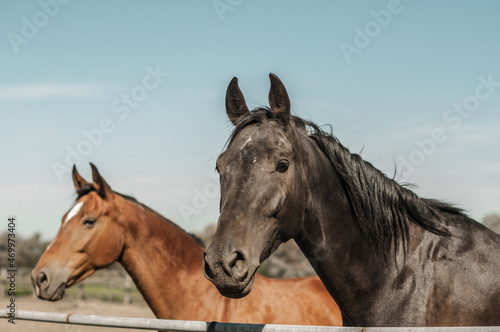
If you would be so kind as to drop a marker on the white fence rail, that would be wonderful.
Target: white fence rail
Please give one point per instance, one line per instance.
(197, 326)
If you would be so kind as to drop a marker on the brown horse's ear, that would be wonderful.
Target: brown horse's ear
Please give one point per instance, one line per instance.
(100, 185)
(77, 179)
(235, 102)
(278, 97)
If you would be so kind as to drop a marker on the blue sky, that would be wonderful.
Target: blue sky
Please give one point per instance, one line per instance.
(414, 94)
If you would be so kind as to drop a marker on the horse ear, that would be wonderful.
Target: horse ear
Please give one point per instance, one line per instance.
(235, 102)
(278, 97)
(77, 179)
(100, 185)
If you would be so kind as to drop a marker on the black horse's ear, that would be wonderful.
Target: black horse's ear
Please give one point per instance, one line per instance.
(278, 97)
(77, 179)
(100, 185)
(235, 102)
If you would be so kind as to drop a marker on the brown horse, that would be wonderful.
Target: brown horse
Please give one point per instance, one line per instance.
(165, 264)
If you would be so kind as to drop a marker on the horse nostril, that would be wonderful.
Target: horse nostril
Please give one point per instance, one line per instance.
(206, 268)
(238, 266)
(41, 278)
(237, 258)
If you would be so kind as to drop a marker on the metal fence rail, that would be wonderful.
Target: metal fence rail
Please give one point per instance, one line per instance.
(197, 326)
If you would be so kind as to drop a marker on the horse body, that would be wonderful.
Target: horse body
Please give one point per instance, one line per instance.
(441, 281)
(387, 257)
(164, 263)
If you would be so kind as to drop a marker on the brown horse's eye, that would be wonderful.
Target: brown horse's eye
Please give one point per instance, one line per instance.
(282, 166)
(89, 222)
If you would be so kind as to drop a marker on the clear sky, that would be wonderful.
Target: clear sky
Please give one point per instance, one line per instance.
(137, 87)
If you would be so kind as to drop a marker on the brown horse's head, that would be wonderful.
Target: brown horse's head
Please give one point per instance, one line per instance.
(89, 239)
(262, 189)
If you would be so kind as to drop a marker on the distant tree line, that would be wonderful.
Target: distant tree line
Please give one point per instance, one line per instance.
(28, 250)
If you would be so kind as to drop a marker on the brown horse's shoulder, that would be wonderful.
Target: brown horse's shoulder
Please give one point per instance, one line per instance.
(306, 299)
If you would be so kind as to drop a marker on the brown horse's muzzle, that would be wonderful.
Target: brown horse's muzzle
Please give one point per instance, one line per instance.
(47, 285)
(230, 272)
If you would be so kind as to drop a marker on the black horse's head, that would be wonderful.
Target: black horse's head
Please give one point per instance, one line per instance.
(262, 190)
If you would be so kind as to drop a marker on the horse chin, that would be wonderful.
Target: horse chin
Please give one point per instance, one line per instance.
(57, 295)
(239, 291)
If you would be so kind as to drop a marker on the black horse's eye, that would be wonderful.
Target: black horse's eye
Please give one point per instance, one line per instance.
(89, 222)
(282, 166)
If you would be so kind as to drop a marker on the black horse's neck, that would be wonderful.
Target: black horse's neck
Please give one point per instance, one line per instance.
(359, 227)
(333, 244)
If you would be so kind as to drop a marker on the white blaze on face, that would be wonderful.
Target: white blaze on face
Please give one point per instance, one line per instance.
(50, 245)
(73, 212)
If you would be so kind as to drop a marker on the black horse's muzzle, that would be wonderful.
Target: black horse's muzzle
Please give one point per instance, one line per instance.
(230, 273)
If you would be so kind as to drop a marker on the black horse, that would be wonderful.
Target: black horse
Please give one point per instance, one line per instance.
(387, 256)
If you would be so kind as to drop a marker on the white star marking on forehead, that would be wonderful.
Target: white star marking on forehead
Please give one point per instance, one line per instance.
(73, 212)
(246, 142)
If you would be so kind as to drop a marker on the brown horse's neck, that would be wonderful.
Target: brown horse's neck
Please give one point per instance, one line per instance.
(163, 260)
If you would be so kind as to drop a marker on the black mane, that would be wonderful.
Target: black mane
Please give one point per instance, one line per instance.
(89, 187)
(84, 190)
(382, 207)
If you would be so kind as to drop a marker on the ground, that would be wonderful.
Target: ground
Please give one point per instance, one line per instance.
(68, 305)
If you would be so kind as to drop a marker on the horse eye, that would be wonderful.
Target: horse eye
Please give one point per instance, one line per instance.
(282, 166)
(89, 222)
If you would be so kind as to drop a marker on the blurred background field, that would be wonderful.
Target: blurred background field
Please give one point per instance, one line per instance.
(109, 292)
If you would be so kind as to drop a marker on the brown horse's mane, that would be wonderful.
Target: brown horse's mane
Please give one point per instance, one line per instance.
(89, 187)
(382, 207)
